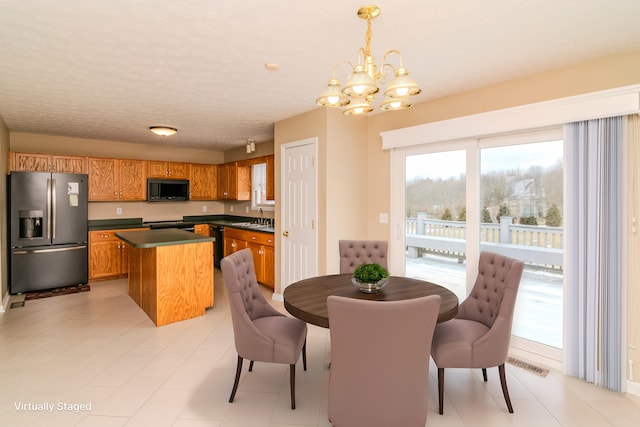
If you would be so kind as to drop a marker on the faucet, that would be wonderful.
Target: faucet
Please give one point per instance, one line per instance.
(261, 218)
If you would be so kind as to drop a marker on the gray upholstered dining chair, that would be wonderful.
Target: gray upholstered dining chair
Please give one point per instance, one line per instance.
(379, 372)
(478, 337)
(356, 252)
(261, 333)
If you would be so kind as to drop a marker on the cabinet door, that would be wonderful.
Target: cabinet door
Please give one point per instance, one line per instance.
(132, 183)
(269, 262)
(102, 179)
(223, 181)
(178, 170)
(203, 182)
(69, 164)
(105, 258)
(29, 162)
(271, 190)
(157, 169)
(242, 184)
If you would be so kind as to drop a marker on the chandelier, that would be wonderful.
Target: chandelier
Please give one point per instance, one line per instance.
(359, 91)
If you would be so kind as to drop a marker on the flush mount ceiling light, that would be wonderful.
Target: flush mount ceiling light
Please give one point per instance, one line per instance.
(163, 130)
(359, 91)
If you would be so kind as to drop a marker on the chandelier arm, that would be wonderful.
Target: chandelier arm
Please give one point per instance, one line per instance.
(384, 58)
(342, 61)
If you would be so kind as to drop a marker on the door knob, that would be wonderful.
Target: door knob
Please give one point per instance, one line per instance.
(285, 234)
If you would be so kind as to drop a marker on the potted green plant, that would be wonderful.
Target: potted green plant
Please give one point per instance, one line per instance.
(370, 278)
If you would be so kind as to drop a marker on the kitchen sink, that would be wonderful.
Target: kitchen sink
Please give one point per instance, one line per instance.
(253, 225)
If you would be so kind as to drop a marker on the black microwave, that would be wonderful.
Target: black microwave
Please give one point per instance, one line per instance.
(167, 190)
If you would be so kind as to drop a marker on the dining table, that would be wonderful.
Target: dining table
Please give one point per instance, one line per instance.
(307, 298)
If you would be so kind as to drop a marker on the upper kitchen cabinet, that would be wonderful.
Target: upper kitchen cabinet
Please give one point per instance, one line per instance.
(30, 162)
(234, 181)
(203, 183)
(170, 170)
(271, 188)
(117, 179)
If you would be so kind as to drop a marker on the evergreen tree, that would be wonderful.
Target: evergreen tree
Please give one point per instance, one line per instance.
(462, 215)
(504, 211)
(553, 218)
(486, 216)
(446, 215)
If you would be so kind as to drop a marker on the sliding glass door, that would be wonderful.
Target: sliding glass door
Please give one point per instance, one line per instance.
(436, 218)
(503, 195)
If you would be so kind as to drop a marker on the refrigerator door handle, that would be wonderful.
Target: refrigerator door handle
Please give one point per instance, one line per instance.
(44, 251)
(55, 207)
(48, 209)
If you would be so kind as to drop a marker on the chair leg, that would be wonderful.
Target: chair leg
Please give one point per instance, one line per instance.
(292, 379)
(251, 366)
(484, 374)
(304, 354)
(235, 384)
(441, 390)
(503, 382)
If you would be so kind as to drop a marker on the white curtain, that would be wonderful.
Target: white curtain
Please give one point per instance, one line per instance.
(593, 274)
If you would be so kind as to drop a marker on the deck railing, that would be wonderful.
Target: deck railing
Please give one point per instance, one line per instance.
(534, 244)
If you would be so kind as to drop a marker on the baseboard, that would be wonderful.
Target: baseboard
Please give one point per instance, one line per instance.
(633, 388)
(5, 303)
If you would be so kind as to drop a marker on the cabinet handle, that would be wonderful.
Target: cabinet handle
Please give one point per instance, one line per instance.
(285, 234)
(233, 244)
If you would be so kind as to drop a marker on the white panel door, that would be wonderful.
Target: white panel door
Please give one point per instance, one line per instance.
(299, 211)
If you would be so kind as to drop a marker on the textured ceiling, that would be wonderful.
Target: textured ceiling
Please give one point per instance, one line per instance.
(110, 69)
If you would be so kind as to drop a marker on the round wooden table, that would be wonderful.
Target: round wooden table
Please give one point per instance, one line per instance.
(307, 299)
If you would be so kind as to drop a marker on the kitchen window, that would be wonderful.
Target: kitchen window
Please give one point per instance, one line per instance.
(259, 189)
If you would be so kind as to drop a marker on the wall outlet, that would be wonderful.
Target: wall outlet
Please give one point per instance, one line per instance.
(118, 211)
(231, 208)
(246, 209)
(383, 217)
(204, 208)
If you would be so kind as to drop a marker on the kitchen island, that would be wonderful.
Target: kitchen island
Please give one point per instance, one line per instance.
(170, 273)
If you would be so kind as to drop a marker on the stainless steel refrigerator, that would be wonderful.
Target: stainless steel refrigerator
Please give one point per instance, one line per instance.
(48, 230)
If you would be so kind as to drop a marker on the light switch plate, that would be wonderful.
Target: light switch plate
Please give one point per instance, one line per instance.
(383, 217)
(118, 211)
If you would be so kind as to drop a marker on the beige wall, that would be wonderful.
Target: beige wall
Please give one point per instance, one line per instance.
(37, 143)
(4, 149)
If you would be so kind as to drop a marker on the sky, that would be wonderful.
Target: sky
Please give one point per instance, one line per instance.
(453, 163)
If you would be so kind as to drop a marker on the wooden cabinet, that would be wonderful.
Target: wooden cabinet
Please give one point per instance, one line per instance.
(261, 246)
(117, 179)
(172, 170)
(32, 162)
(234, 181)
(203, 183)
(234, 240)
(202, 229)
(271, 189)
(108, 255)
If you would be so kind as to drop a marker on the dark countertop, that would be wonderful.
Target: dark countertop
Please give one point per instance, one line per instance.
(161, 237)
(240, 222)
(114, 224)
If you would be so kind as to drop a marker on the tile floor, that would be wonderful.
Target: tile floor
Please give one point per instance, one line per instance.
(97, 360)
